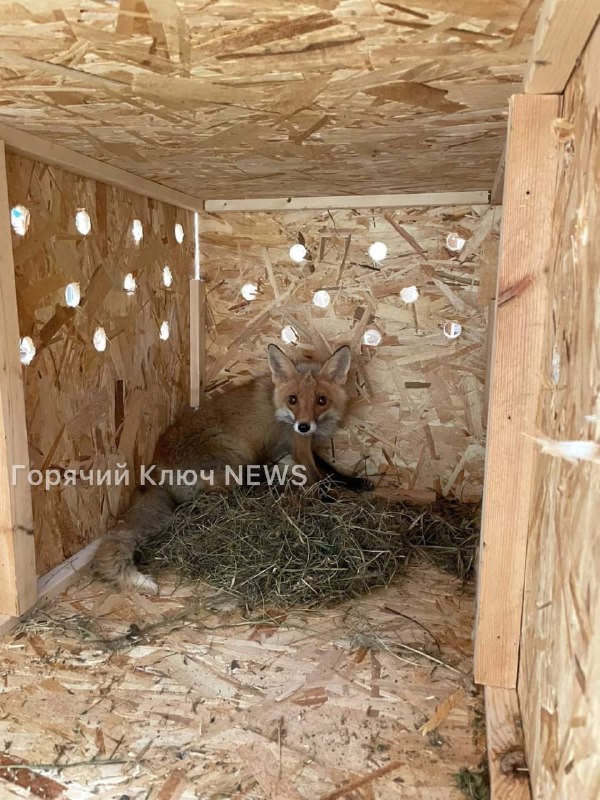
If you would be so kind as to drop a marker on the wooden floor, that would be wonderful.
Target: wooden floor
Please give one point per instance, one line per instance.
(168, 699)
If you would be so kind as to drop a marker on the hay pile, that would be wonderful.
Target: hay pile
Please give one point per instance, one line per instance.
(265, 546)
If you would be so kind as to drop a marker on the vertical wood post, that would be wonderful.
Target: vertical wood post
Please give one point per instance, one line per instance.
(516, 382)
(18, 580)
(197, 340)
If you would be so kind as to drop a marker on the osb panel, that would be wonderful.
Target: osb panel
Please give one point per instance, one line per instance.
(559, 684)
(168, 699)
(417, 416)
(258, 98)
(86, 409)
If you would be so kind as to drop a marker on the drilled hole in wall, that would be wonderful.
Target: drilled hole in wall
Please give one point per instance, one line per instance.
(452, 329)
(99, 340)
(179, 233)
(19, 219)
(289, 335)
(167, 277)
(454, 242)
(72, 295)
(27, 350)
(165, 331)
(371, 337)
(298, 252)
(137, 231)
(130, 283)
(378, 251)
(410, 294)
(249, 291)
(83, 223)
(322, 298)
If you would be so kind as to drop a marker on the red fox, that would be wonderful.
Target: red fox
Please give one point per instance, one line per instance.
(252, 424)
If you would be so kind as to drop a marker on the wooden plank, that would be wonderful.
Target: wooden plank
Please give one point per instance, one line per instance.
(563, 30)
(351, 201)
(516, 383)
(26, 144)
(197, 340)
(509, 776)
(559, 678)
(61, 577)
(497, 193)
(17, 553)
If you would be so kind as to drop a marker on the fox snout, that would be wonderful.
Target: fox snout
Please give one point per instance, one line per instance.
(305, 428)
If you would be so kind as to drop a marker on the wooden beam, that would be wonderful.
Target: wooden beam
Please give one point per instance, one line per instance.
(197, 340)
(497, 193)
(476, 198)
(26, 144)
(563, 30)
(509, 777)
(532, 158)
(18, 581)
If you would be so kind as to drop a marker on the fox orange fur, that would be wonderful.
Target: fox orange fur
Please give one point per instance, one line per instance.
(260, 422)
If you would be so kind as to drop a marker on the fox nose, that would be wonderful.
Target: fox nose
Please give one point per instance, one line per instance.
(303, 427)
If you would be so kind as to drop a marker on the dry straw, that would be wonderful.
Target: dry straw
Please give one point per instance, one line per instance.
(269, 547)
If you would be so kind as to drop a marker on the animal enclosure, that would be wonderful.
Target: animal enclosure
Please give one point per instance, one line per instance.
(183, 183)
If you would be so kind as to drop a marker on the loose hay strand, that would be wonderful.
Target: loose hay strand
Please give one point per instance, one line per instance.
(265, 546)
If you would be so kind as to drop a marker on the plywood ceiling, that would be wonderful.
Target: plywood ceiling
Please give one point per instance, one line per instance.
(257, 98)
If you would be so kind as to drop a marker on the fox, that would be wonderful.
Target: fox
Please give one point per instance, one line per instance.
(259, 422)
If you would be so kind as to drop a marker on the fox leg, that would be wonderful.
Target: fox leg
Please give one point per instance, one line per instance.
(114, 558)
(353, 482)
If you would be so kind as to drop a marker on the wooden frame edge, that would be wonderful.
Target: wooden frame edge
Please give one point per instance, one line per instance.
(477, 197)
(27, 144)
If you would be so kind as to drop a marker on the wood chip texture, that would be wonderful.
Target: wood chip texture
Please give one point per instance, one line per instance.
(270, 98)
(416, 421)
(89, 410)
(559, 685)
(168, 698)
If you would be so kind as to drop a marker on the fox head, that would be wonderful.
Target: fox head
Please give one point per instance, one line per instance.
(310, 396)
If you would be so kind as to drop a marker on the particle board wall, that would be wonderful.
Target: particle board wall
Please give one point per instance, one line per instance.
(264, 98)
(559, 683)
(89, 410)
(417, 419)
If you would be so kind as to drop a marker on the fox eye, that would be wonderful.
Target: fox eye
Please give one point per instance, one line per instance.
(321, 400)
(292, 399)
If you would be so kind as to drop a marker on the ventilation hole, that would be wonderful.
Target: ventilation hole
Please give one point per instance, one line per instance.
(298, 252)
(19, 219)
(165, 331)
(289, 335)
(100, 340)
(179, 233)
(72, 295)
(452, 329)
(137, 231)
(378, 251)
(130, 283)
(249, 291)
(83, 223)
(321, 298)
(371, 337)
(410, 294)
(454, 242)
(167, 277)
(27, 350)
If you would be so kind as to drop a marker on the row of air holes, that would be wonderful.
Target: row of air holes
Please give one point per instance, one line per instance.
(378, 252)
(20, 218)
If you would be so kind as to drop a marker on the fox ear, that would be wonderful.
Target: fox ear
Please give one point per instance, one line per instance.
(336, 367)
(282, 367)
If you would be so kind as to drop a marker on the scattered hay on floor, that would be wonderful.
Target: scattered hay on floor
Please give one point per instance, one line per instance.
(264, 546)
(475, 785)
